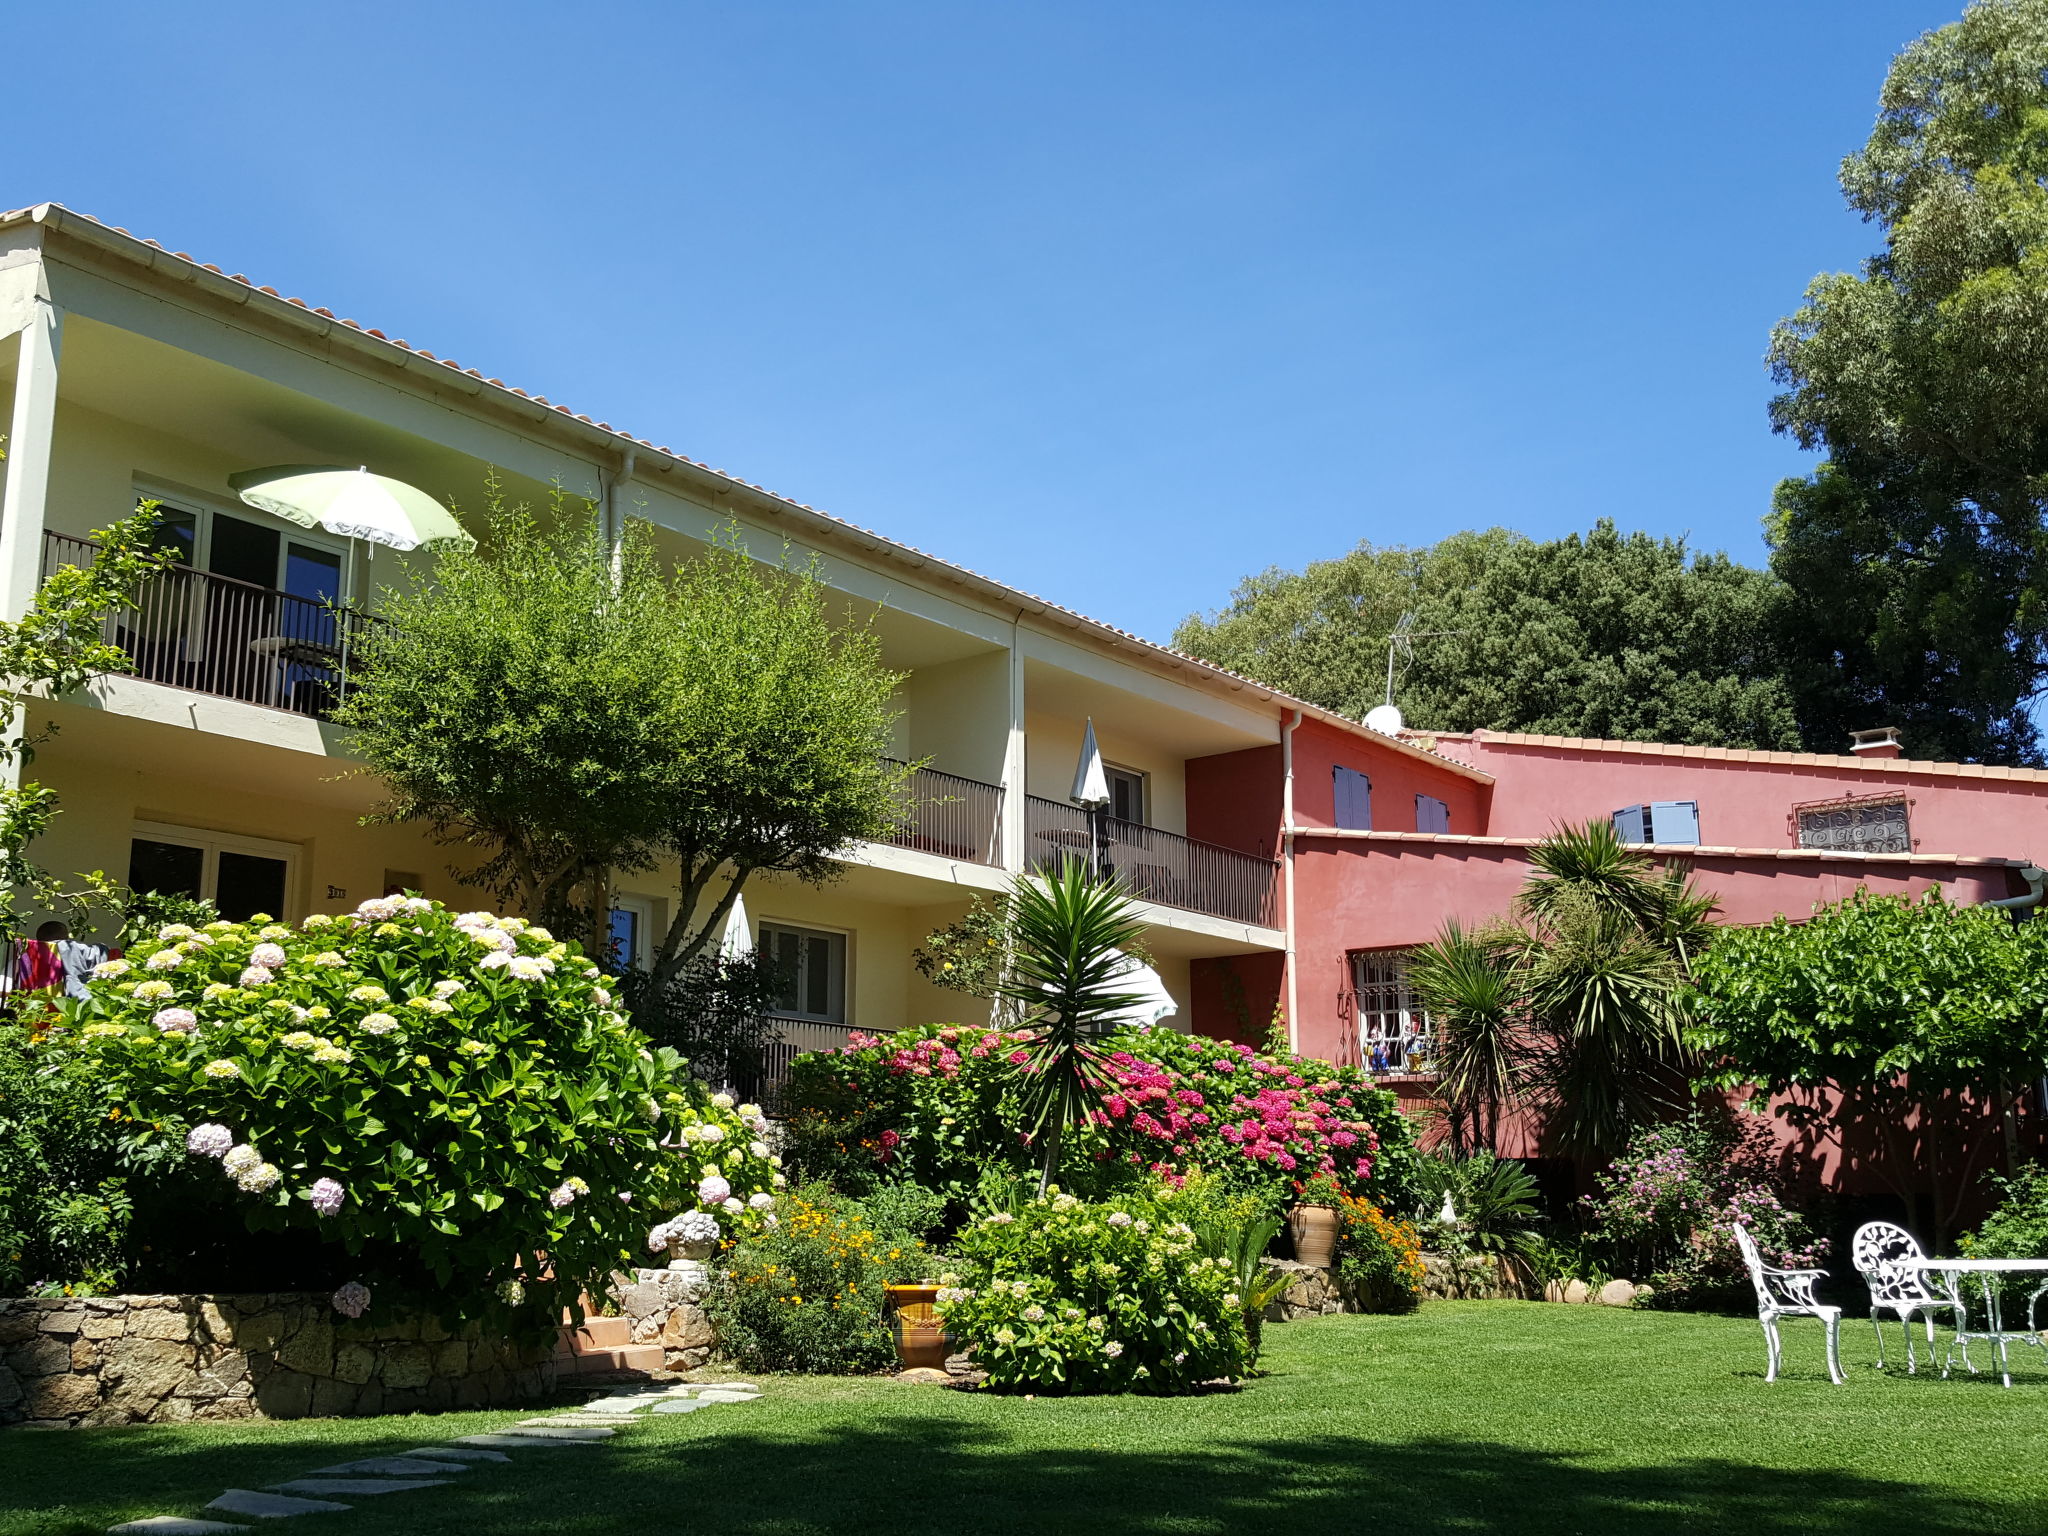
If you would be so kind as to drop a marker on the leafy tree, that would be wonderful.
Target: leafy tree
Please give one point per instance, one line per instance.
(1071, 930)
(571, 710)
(1914, 555)
(1607, 634)
(1926, 1020)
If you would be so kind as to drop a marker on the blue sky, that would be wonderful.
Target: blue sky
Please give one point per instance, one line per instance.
(1115, 302)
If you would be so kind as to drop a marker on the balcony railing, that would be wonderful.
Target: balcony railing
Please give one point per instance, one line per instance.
(787, 1040)
(1165, 867)
(953, 817)
(233, 639)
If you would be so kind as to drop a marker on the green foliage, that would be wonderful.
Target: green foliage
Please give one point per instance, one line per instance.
(2017, 1228)
(1070, 930)
(941, 1105)
(1495, 1201)
(1914, 554)
(1606, 634)
(1241, 1246)
(573, 710)
(714, 1010)
(447, 1099)
(54, 649)
(1920, 1014)
(1468, 985)
(64, 1200)
(970, 953)
(1070, 1297)
(807, 1294)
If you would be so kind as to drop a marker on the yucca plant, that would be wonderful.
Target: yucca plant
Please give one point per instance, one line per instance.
(1471, 987)
(1495, 1200)
(1070, 929)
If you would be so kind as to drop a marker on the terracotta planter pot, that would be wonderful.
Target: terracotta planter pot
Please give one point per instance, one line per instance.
(1314, 1229)
(921, 1338)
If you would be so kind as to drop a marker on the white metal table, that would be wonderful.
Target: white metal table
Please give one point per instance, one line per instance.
(1953, 1273)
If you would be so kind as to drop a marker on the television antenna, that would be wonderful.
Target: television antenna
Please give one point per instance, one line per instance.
(1386, 717)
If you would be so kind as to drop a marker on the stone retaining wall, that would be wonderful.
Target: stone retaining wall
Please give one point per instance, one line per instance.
(664, 1308)
(168, 1359)
(1476, 1277)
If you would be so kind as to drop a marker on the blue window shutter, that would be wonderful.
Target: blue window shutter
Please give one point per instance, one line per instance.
(1675, 821)
(1353, 793)
(1629, 824)
(1431, 814)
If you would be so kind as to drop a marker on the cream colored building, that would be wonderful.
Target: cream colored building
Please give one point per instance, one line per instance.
(127, 371)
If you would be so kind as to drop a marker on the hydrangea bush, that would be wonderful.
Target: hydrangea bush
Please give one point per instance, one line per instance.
(454, 1098)
(1064, 1296)
(938, 1104)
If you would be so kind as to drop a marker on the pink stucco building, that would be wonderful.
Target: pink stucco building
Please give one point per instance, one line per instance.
(1384, 838)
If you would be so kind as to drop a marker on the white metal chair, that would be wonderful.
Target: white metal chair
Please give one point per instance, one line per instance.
(1900, 1289)
(1789, 1293)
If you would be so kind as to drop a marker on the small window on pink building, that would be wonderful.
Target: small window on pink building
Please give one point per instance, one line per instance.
(1351, 794)
(1858, 824)
(1431, 814)
(1393, 1031)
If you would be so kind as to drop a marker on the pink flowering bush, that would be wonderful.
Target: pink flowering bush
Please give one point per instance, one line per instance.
(1664, 1213)
(1065, 1296)
(453, 1099)
(938, 1105)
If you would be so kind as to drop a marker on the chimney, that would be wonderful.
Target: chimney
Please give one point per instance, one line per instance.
(1882, 742)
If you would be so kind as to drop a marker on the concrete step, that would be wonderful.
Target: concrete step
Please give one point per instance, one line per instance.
(640, 1358)
(602, 1333)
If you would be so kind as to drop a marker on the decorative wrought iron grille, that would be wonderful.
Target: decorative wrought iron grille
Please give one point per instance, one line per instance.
(1869, 824)
(1393, 1031)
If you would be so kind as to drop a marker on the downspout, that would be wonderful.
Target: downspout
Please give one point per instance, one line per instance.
(615, 514)
(1287, 873)
(2037, 881)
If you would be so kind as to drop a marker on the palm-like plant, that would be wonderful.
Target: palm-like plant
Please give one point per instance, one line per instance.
(1070, 930)
(1243, 1248)
(1472, 989)
(1609, 944)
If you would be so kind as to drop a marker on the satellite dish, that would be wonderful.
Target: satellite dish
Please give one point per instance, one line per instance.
(1384, 718)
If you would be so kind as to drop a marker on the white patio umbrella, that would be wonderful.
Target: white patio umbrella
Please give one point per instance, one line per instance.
(1091, 784)
(1139, 981)
(352, 503)
(737, 942)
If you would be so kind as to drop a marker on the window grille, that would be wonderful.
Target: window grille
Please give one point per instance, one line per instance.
(1393, 1031)
(1869, 824)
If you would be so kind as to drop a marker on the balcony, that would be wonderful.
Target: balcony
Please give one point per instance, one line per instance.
(213, 634)
(952, 817)
(1157, 866)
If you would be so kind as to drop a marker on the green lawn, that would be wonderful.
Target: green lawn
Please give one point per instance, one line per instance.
(1469, 1417)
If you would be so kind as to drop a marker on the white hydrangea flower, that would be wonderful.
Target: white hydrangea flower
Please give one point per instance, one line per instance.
(109, 969)
(255, 976)
(449, 987)
(170, 933)
(165, 959)
(721, 1101)
(149, 991)
(528, 967)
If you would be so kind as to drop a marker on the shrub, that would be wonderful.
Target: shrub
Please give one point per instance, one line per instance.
(453, 1099)
(1071, 1297)
(1379, 1259)
(806, 1293)
(939, 1104)
(64, 1198)
(2017, 1228)
(1664, 1213)
(1494, 1202)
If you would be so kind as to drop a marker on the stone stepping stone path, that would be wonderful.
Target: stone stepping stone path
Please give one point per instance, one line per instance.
(431, 1466)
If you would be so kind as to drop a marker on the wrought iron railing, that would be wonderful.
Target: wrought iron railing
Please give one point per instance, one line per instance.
(1165, 867)
(765, 1081)
(951, 816)
(234, 639)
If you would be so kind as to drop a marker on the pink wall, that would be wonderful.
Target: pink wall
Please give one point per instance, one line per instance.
(1233, 800)
(1745, 799)
(1397, 778)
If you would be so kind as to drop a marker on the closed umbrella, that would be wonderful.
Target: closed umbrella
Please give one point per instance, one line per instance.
(1091, 783)
(352, 503)
(737, 942)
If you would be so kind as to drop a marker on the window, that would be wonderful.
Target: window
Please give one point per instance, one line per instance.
(1353, 794)
(1393, 1032)
(632, 927)
(1661, 821)
(1126, 794)
(240, 875)
(1431, 814)
(813, 965)
(1864, 824)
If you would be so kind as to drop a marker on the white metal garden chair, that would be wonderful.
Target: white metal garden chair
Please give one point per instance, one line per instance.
(1896, 1287)
(1789, 1293)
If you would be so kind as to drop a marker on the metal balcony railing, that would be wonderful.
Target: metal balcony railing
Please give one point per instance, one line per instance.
(1165, 867)
(763, 1082)
(233, 639)
(953, 817)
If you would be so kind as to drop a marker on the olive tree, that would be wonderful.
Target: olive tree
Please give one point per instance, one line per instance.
(568, 709)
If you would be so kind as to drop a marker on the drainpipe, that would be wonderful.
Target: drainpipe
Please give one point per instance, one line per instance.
(2037, 881)
(615, 514)
(1287, 872)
